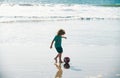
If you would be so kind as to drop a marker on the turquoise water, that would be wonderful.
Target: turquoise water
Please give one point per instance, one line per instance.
(93, 2)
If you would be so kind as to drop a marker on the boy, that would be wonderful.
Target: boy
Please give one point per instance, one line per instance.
(58, 47)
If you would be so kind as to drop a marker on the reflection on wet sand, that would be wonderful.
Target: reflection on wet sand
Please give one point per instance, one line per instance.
(66, 66)
(59, 72)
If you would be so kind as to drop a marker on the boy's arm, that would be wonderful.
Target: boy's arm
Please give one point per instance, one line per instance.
(51, 44)
(64, 37)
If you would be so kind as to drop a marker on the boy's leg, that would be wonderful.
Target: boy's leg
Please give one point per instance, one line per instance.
(56, 58)
(60, 56)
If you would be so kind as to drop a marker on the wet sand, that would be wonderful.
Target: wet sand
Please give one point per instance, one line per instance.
(93, 48)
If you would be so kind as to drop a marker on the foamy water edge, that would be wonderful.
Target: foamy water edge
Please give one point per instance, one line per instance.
(55, 12)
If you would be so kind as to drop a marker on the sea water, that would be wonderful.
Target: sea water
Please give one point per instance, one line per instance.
(45, 10)
(96, 2)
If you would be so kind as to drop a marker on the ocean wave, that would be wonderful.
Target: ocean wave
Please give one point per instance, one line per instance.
(40, 4)
(52, 4)
(12, 19)
(56, 12)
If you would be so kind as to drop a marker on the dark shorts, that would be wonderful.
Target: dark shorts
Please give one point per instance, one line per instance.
(59, 49)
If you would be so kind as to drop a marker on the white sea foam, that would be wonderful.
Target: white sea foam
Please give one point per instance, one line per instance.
(48, 12)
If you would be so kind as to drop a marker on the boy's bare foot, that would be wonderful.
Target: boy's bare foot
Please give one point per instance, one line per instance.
(55, 60)
(60, 61)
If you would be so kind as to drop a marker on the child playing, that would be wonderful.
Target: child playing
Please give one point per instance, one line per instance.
(58, 47)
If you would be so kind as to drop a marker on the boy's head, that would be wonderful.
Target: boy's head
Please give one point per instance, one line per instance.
(61, 32)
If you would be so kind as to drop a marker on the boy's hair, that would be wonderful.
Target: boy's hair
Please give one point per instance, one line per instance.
(61, 32)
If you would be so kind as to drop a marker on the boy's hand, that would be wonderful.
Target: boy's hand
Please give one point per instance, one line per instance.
(65, 37)
(50, 47)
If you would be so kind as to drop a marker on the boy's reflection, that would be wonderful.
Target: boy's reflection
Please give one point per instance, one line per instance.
(59, 72)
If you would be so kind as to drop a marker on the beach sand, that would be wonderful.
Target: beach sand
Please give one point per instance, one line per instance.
(92, 45)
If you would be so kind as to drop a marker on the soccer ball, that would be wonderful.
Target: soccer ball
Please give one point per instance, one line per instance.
(66, 59)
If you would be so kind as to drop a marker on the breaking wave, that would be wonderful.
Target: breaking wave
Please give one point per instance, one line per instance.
(56, 12)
